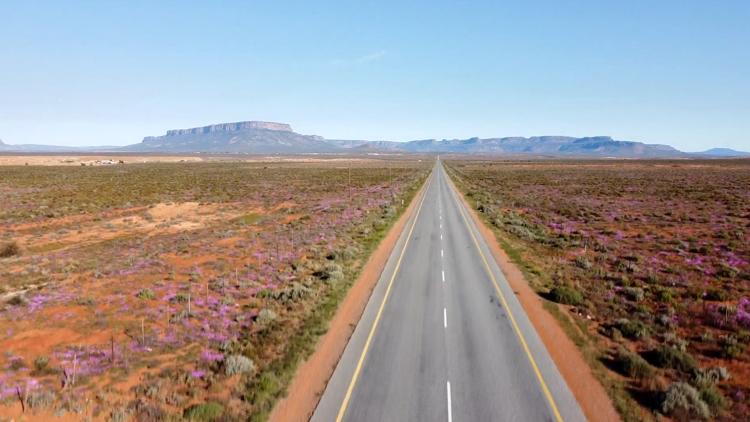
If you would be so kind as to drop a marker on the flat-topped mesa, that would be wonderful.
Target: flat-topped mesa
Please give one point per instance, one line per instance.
(231, 127)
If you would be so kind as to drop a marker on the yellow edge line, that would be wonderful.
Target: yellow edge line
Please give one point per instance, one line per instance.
(500, 294)
(355, 376)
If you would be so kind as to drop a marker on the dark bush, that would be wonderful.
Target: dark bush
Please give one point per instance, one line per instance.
(717, 295)
(9, 249)
(632, 364)
(17, 300)
(731, 348)
(583, 263)
(632, 329)
(566, 295)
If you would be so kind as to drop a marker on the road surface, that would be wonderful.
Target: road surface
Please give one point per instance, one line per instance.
(443, 337)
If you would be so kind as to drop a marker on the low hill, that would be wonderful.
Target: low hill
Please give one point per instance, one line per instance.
(723, 152)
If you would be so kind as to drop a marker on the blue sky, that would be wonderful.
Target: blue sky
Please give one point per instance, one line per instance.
(112, 72)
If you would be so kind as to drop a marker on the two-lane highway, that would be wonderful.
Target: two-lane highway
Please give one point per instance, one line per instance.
(443, 337)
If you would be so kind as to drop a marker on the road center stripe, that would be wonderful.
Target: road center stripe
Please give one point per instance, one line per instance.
(448, 393)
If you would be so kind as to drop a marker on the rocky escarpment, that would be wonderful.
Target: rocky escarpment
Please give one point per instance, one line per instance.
(231, 127)
(250, 137)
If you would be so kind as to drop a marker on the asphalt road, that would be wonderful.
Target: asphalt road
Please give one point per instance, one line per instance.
(443, 337)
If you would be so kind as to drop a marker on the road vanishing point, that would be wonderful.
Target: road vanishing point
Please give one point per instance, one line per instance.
(443, 337)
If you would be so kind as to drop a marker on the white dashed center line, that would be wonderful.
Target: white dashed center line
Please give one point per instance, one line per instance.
(450, 416)
(443, 273)
(445, 318)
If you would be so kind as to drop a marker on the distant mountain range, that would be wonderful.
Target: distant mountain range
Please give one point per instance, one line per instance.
(255, 137)
(38, 148)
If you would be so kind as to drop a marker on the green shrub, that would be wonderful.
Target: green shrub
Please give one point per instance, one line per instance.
(731, 348)
(632, 364)
(713, 398)
(179, 316)
(40, 399)
(238, 364)
(636, 294)
(350, 252)
(664, 295)
(710, 376)
(614, 334)
(683, 402)
(180, 298)
(40, 363)
(120, 414)
(331, 272)
(521, 231)
(9, 249)
(335, 272)
(632, 329)
(675, 341)
(292, 293)
(566, 295)
(669, 357)
(583, 263)
(85, 301)
(266, 316)
(146, 294)
(203, 412)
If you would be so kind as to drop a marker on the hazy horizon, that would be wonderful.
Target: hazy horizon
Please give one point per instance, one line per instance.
(87, 74)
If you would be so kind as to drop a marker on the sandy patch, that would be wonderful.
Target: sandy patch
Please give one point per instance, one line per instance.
(34, 342)
(159, 219)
